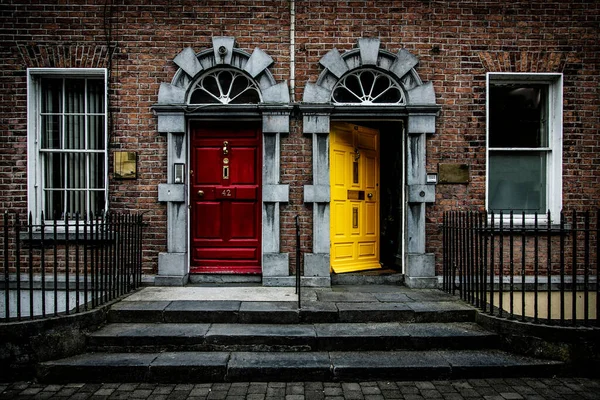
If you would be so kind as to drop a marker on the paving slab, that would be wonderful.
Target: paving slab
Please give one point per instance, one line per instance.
(429, 295)
(253, 312)
(369, 288)
(308, 366)
(392, 297)
(202, 311)
(137, 311)
(374, 312)
(214, 293)
(344, 297)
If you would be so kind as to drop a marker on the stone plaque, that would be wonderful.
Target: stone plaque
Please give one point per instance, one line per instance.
(453, 173)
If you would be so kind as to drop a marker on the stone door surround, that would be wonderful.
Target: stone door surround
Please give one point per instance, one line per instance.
(419, 111)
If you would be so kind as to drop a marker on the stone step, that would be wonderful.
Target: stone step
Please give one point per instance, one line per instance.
(337, 308)
(153, 337)
(191, 367)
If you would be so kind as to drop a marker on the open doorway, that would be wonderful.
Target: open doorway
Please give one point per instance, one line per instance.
(391, 191)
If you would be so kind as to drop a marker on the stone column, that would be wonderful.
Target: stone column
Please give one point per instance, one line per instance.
(275, 265)
(173, 267)
(420, 266)
(316, 264)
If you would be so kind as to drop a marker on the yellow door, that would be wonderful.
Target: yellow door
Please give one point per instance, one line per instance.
(354, 175)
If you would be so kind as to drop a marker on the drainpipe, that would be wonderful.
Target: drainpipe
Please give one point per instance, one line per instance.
(292, 49)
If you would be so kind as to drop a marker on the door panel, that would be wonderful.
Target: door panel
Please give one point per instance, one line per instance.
(225, 199)
(210, 214)
(242, 220)
(354, 174)
(244, 176)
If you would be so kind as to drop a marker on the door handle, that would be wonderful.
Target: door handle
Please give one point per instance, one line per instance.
(201, 193)
(370, 195)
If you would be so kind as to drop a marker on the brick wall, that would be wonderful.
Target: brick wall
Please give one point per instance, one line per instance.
(457, 42)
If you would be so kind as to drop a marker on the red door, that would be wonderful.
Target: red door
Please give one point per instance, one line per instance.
(225, 197)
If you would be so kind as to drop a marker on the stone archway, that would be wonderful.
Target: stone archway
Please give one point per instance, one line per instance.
(174, 112)
(420, 111)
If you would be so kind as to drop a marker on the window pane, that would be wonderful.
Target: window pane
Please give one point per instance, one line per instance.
(343, 95)
(75, 96)
(76, 171)
(518, 116)
(367, 79)
(96, 170)
(225, 79)
(210, 85)
(51, 128)
(51, 95)
(517, 182)
(97, 201)
(95, 96)
(250, 96)
(354, 86)
(390, 95)
(74, 132)
(53, 165)
(96, 132)
(54, 201)
(75, 202)
(201, 97)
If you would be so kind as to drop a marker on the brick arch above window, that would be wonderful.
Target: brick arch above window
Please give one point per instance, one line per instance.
(223, 56)
(368, 56)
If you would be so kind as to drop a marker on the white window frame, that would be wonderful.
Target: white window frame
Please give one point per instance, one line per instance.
(554, 81)
(34, 166)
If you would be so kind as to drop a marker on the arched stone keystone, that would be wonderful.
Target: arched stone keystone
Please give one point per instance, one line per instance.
(227, 42)
(369, 50)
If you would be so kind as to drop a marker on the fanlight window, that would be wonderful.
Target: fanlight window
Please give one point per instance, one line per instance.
(367, 86)
(225, 86)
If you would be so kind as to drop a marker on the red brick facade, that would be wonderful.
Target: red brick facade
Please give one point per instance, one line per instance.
(456, 42)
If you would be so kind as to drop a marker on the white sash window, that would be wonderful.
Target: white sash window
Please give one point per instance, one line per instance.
(67, 156)
(524, 143)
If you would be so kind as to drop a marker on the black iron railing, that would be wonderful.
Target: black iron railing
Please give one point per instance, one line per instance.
(533, 268)
(69, 265)
(298, 272)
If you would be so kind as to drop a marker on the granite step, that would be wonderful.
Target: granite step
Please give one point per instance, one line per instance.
(336, 308)
(154, 337)
(191, 367)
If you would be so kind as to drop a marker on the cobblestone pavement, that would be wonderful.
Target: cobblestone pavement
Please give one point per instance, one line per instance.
(490, 389)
